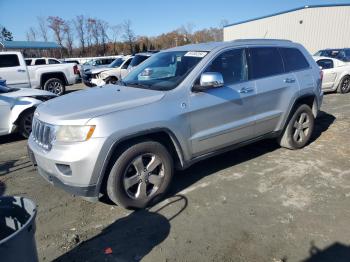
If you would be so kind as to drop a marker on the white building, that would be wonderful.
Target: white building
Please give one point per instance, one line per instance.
(316, 27)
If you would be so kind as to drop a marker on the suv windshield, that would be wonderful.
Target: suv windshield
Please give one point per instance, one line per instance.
(116, 63)
(164, 71)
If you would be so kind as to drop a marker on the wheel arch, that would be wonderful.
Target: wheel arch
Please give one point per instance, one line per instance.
(162, 135)
(46, 76)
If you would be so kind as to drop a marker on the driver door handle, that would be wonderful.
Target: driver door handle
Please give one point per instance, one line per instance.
(245, 90)
(289, 80)
(21, 71)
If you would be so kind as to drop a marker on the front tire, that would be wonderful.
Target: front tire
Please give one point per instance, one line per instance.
(299, 128)
(111, 80)
(25, 123)
(344, 85)
(55, 86)
(141, 175)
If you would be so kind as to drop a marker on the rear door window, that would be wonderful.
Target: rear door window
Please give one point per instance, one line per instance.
(9, 60)
(28, 61)
(53, 61)
(264, 62)
(40, 62)
(293, 59)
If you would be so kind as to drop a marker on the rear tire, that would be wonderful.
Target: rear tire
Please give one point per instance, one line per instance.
(141, 175)
(299, 128)
(25, 123)
(55, 86)
(344, 85)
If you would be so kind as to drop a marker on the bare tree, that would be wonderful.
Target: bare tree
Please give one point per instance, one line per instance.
(102, 27)
(68, 32)
(128, 34)
(116, 33)
(223, 23)
(81, 29)
(56, 24)
(43, 29)
(186, 31)
(31, 34)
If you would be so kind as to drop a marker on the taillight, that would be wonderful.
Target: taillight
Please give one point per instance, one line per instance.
(76, 70)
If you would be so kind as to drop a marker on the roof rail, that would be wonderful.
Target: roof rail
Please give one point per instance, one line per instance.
(261, 39)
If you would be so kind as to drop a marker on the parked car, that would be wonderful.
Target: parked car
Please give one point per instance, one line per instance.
(53, 78)
(125, 140)
(42, 61)
(17, 106)
(336, 74)
(96, 63)
(342, 54)
(112, 74)
(138, 59)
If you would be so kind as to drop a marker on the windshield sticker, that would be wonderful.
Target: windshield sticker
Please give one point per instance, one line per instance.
(196, 54)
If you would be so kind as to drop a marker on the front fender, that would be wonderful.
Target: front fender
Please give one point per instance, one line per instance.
(20, 105)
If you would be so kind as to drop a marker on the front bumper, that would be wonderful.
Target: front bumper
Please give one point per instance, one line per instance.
(98, 81)
(69, 166)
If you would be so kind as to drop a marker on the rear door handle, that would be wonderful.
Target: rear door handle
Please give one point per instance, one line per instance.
(245, 90)
(289, 80)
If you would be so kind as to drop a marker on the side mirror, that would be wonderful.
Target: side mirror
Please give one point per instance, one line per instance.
(209, 80)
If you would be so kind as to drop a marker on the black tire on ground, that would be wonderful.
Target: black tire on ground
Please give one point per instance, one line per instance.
(111, 80)
(55, 86)
(299, 128)
(25, 123)
(141, 175)
(344, 85)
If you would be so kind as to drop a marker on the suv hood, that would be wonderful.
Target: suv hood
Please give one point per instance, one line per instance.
(99, 70)
(79, 107)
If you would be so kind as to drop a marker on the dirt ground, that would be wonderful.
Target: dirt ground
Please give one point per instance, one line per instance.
(258, 203)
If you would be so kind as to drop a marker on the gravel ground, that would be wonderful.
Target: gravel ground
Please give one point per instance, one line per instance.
(258, 203)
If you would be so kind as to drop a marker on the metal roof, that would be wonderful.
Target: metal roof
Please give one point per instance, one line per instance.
(287, 11)
(28, 45)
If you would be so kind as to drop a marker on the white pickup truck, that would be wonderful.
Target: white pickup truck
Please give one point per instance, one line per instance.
(53, 78)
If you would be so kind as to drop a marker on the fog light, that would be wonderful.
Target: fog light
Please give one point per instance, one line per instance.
(64, 169)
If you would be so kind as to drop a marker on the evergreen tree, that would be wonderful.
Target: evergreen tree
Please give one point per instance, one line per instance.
(5, 35)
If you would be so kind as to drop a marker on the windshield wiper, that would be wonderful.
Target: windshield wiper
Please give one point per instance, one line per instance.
(137, 84)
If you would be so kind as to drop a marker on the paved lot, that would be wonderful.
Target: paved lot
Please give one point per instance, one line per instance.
(258, 203)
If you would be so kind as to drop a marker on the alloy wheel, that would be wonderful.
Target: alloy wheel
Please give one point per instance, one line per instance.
(143, 176)
(55, 87)
(301, 128)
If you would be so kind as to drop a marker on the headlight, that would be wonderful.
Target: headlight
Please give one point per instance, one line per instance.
(74, 133)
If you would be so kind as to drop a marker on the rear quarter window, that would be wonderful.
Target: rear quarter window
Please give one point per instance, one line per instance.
(293, 59)
(264, 62)
(9, 61)
(325, 63)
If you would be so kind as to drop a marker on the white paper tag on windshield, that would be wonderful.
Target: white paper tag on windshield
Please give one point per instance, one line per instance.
(196, 54)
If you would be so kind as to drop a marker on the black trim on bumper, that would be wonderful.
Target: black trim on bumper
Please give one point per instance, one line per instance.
(88, 191)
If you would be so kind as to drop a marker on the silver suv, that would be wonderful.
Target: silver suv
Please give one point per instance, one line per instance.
(180, 106)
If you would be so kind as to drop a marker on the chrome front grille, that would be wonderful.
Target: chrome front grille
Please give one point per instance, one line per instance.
(42, 134)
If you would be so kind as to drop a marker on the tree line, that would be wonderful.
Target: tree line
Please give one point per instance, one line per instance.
(87, 36)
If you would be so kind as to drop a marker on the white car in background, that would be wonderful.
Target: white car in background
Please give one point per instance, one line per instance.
(111, 75)
(42, 61)
(17, 106)
(336, 74)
